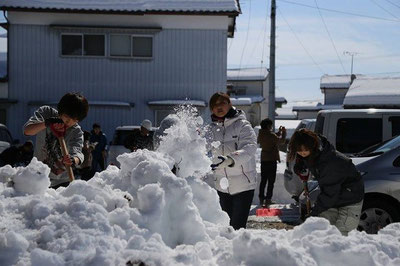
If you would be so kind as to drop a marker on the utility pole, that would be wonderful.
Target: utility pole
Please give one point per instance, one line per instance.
(271, 95)
(352, 54)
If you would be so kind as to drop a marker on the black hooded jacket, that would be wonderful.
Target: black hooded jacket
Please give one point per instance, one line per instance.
(340, 182)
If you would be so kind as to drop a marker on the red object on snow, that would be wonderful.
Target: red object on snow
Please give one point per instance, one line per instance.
(268, 212)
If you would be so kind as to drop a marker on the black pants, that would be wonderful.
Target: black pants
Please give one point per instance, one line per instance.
(237, 207)
(268, 173)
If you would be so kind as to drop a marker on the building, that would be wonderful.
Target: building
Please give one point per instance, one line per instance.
(249, 88)
(131, 59)
(373, 92)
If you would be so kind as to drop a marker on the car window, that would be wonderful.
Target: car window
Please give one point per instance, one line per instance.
(120, 136)
(319, 125)
(356, 134)
(5, 135)
(395, 120)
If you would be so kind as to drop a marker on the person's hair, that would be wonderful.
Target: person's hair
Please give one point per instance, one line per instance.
(266, 123)
(74, 105)
(96, 125)
(303, 138)
(216, 96)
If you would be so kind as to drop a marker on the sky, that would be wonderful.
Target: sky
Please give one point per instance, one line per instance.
(311, 42)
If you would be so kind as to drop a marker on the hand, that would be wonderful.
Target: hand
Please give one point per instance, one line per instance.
(56, 126)
(226, 161)
(68, 160)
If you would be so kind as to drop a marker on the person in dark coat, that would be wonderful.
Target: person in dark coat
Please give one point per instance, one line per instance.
(269, 142)
(99, 153)
(17, 156)
(140, 138)
(342, 188)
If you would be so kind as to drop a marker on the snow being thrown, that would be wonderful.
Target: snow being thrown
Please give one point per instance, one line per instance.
(143, 213)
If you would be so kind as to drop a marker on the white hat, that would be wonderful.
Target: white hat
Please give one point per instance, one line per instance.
(146, 124)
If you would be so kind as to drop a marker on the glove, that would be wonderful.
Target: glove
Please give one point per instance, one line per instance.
(226, 161)
(68, 160)
(56, 126)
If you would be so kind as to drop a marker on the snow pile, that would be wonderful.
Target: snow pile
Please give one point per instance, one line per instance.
(184, 141)
(144, 213)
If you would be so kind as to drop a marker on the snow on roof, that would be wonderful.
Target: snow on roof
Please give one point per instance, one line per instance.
(247, 99)
(247, 74)
(178, 102)
(280, 100)
(317, 107)
(374, 92)
(285, 113)
(230, 6)
(336, 81)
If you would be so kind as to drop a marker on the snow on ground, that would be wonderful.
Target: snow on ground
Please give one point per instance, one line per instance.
(144, 213)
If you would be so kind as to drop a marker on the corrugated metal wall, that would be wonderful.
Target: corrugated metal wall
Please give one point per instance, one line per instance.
(186, 63)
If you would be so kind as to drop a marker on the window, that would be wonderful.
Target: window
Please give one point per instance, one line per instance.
(137, 46)
(319, 125)
(82, 45)
(356, 134)
(395, 120)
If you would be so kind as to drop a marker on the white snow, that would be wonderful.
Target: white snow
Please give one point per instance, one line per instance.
(178, 102)
(335, 81)
(248, 74)
(374, 93)
(144, 213)
(129, 5)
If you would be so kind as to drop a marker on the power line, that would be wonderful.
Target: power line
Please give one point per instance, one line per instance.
(247, 36)
(298, 39)
(384, 9)
(339, 11)
(330, 37)
(393, 3)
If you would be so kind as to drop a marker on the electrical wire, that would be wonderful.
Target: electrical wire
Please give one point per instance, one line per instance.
(393, 3)
(298, 39)
(384, 9)
(330, 37)
(339, 11)
(247, 36)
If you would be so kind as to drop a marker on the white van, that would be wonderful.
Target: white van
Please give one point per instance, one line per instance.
(353, 130)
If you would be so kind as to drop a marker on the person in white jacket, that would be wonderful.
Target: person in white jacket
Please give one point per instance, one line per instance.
(234, 148)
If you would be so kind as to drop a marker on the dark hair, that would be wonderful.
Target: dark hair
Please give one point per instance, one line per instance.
(303, 138)
(266, 123)
(216, 96)
(74, 105)
(96, 125)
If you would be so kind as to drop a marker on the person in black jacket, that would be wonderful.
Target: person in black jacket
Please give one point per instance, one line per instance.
(342, 188)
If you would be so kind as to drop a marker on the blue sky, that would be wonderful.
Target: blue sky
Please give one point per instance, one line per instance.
(307, 49)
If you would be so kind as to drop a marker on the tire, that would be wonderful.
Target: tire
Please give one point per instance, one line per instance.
(376, 214)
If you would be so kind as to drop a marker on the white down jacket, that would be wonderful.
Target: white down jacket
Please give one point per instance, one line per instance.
(238, 140)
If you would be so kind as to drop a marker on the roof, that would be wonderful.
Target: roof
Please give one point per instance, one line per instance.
(247, 74)
(336, 81)
(318, 107)
(280, 100)
(126, 6)
(246, 99)
(374, 93)
(365, 110)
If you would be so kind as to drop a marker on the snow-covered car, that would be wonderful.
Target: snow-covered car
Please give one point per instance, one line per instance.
(116, 146)
(380, 168)
(6, 139)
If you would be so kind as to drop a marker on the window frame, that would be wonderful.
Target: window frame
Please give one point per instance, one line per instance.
(83, 44)
(131, 48)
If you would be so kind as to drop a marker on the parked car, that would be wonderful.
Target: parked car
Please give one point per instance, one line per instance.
(6, 139)
(116, 146)
(380, 168)
(353, 130)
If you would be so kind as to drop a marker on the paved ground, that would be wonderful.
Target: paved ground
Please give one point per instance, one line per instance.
(289, 218)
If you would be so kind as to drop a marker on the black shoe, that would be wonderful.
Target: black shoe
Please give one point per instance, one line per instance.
(268, 202)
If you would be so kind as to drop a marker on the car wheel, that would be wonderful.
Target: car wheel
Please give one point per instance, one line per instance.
(376, 214)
